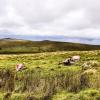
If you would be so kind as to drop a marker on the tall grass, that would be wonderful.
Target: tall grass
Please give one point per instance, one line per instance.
(43, 77)
(47, 83)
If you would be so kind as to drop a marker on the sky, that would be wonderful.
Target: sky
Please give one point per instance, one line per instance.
(59, 20)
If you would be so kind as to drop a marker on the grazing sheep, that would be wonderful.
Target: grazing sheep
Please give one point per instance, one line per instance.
(70, 61)
(75, 58)
(19, 67)
(67, 62)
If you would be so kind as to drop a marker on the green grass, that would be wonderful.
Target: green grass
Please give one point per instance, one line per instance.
(12, 46)
(44, 78)
(89, 94)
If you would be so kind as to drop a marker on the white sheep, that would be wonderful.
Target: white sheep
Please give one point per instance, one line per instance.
(75, 58)
(19, 67)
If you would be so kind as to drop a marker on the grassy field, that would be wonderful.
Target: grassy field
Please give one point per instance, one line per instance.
(45, 79)
(12, 46)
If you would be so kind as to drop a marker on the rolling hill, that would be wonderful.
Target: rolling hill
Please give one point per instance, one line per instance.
(10, 45)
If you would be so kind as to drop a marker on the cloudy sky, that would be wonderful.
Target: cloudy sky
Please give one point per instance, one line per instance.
(63, 20)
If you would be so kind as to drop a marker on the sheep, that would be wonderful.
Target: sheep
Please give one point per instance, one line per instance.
(75, 58)
(67, 62)
(19, 67)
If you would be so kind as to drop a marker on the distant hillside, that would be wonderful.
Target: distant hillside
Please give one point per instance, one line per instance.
(9, 45)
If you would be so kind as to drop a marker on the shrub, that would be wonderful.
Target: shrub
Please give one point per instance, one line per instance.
(91, 64)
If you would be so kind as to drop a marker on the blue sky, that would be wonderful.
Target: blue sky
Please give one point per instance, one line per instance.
(59, 20)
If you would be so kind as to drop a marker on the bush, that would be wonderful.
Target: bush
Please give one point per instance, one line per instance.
(90, 64)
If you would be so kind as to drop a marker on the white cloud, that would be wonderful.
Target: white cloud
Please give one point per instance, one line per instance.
(71, 18)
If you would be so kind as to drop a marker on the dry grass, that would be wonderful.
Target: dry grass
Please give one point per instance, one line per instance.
(43, 76)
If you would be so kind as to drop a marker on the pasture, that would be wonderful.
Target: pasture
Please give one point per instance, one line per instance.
(44, 79)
